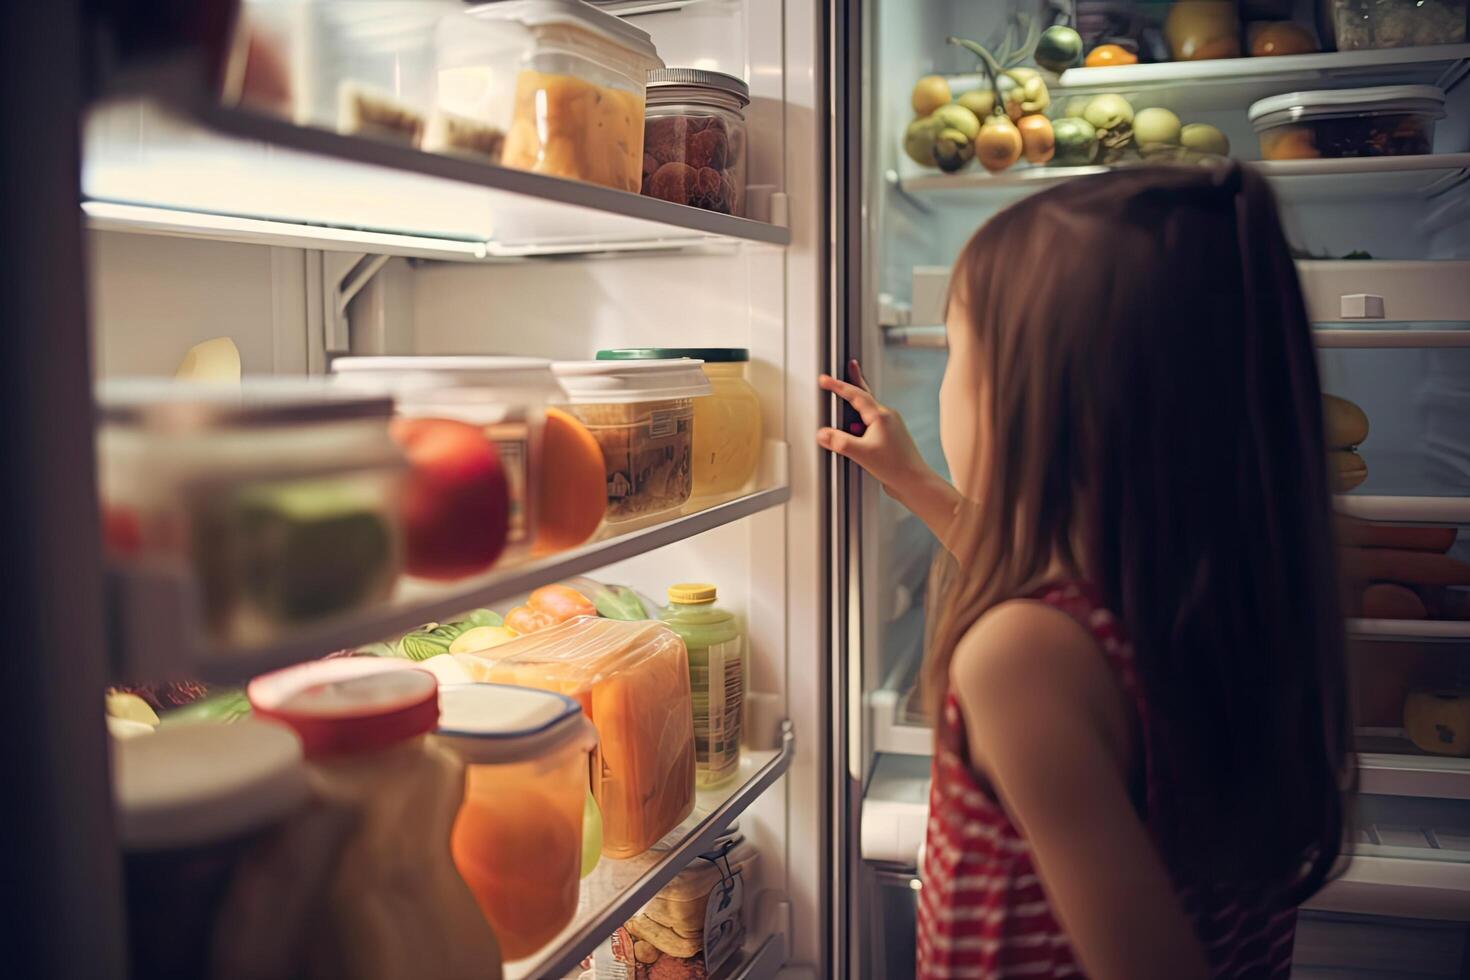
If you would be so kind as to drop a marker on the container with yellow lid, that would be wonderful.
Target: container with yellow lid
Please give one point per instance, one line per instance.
(716, 678)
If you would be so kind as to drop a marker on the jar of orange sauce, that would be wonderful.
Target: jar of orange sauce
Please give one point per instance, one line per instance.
(517, 841)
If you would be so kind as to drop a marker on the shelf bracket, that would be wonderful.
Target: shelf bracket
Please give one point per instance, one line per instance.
(344, 276)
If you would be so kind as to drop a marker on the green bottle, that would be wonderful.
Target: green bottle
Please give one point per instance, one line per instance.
(716, 678)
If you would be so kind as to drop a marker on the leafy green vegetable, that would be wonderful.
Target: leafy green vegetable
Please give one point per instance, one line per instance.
(221, 706)
(432, 639)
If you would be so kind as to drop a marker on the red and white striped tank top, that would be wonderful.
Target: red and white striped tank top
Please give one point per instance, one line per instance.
(981, 911)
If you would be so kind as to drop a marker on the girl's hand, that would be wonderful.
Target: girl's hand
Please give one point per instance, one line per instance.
(887, 451)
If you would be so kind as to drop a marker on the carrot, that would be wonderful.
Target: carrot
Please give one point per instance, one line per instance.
(1385, 600)
(1400, 565)
(1365, 534)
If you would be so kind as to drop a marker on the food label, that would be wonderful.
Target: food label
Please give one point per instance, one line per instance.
(511, 442)
(722, 932)
(664, 423)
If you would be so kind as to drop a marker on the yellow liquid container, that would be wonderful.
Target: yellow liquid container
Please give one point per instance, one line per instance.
(716, 678)
(727, 424)
(517, 841)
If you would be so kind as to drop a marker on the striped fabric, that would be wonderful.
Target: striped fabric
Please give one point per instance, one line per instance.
(982, 912)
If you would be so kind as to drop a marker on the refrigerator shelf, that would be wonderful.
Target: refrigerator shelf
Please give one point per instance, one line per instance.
(159, 635)
(1421, 630)
(1234, 83)
(212, 172)
(1391, 765)
(1398, 887)
(617, 889)
(1404, 509)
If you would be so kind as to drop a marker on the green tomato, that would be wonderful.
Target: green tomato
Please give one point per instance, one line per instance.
(1108, 112)
(918, 140)
(1077, 105)
(1156, 126)
(1058, 49)
(1076, 142)
(1204, 138)
(980, 101)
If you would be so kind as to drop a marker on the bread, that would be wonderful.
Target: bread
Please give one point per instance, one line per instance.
(1347, 469)
(1385, 600)
(1344, 424)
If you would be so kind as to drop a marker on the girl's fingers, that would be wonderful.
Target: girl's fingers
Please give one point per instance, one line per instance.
(837, 441)
(867, 407)
(856, 376)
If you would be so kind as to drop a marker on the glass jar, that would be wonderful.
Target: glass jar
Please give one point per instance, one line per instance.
(397, 906)
(694, 139)
(1356, 25)
(518, 838)
(281, 496)
(727, 425)
(716, 678)
(642, 415)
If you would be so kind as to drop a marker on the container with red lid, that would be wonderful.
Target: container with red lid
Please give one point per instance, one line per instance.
(398, 906)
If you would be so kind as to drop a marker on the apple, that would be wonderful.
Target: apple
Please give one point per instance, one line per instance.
(456, 504)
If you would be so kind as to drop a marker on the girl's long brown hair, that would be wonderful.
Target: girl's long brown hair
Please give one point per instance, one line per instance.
(1157, 429)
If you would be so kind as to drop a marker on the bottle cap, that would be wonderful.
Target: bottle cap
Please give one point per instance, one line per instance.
(692, 594)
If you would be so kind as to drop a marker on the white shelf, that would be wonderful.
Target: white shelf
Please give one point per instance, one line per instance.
(1379, 337)
(1235, 83)
(1404, 510)
(1294, 180)
(1443, 631)
(616, 890)
(1398, 887)
(203, 170)
(1391, 765)
(159, 635)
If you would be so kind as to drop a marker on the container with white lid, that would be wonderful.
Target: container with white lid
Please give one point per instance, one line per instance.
(642, 415)
(192, 800)
(506, 397)
(518, 840)
(579, 101)
(1387, 120)
(280, 496)
(398, 907)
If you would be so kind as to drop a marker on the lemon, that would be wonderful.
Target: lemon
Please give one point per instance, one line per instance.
(930, 92)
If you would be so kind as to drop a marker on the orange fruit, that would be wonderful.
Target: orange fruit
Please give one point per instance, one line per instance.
(1278, 38)
(573, 496)
(1106, 55)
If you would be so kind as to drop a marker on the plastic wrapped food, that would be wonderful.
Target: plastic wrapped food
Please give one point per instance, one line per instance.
(632, 681)
(1358, 24)
(1391, 120)
(694, 139)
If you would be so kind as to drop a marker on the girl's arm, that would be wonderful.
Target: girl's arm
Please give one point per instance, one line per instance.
(887, 451)
(1050, 728)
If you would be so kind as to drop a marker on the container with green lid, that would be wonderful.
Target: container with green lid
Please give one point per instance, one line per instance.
(716, 678)
(727, 425)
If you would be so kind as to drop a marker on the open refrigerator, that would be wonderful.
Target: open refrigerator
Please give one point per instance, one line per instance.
(1393, 339)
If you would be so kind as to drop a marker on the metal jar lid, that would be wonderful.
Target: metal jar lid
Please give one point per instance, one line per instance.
(696, 85)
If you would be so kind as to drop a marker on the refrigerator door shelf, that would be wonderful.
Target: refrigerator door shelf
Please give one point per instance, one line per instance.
(896, 810)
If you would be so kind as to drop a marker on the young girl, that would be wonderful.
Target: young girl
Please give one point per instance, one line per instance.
(1135, 658)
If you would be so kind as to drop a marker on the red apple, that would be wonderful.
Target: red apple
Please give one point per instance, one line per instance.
(456, 506)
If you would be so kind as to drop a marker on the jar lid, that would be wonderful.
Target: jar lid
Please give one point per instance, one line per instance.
(186, 785)
(576, 14)
(711, 355)
(1381, 98)
(692, 594)
(348, 705)
(179, 407)
(495, 723)
(692, 81)
(408, 373)
(626, 382)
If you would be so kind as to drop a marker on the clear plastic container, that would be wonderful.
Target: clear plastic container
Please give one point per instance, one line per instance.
(194, 803)
(694, 139)
(396, 906)
(281, 496)
(642, 415)
(1389, 120)
(478, 63)
(361, 67)
(716, 678)
(505, 396)
(727, 425)
(1354, 25)
(632, 681)
(579, 100)
(518, 838)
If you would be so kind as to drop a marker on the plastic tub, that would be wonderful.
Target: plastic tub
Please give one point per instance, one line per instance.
(1357, 24)
(694, 139)
(518, 838)
(727, 425)
(361, 67)
(1390, 120)
(632, 681)
(505, 396)
(642, 415)
(579, 101)
(281, 496)
(478, 62)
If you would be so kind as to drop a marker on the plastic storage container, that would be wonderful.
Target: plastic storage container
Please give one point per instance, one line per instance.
(579, 100)
(1389, 120)
(505, 396)
(518, 839)
(694, 139)
(642, 415)
(1357, 24)
(478, 61)
(716, 678)
(283, 497)
(727, 425)
(398, 908)
(632, 681)
(361, 67)
(193, 802)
